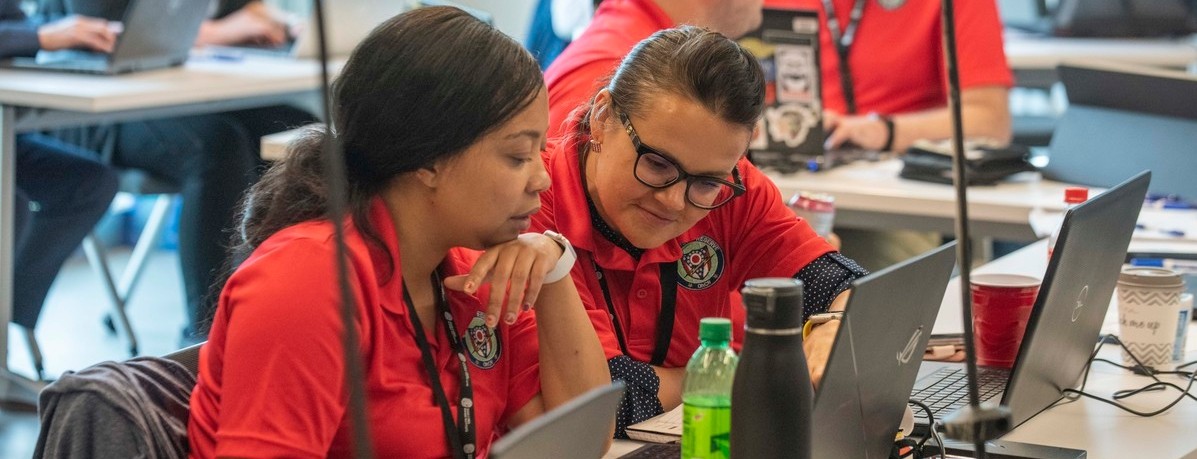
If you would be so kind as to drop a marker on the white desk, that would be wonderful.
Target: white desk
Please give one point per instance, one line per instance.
(1034, 58)
(36, 100)
(870, 195)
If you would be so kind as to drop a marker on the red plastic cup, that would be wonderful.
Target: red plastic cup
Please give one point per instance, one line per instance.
(1001, 308)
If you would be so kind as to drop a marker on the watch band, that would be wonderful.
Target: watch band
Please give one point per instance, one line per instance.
(820, 318)
(564, 264)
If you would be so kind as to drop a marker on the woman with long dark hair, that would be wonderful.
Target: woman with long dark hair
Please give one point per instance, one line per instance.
(442, 119)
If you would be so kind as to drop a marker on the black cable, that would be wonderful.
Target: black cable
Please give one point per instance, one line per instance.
(932, 424)
(1139, 368)
(336, 181)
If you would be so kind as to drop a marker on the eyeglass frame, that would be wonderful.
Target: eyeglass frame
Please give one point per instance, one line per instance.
(642, 149)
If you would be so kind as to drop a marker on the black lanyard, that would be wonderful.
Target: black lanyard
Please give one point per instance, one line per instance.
(843, 45)
(461, 436)
(668, 278)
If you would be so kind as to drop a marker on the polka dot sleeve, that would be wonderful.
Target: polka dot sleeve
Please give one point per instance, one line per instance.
(640, 402)
(824, 279)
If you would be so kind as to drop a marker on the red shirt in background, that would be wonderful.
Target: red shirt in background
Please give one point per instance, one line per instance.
(897, 56)
(579, 72)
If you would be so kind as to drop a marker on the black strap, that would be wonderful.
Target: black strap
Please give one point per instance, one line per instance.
(460, 435)
(668, 311)
(843, 40)
(665, 319)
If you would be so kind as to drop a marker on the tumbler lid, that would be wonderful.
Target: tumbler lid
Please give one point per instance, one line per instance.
(1141, 276)
(773, 302)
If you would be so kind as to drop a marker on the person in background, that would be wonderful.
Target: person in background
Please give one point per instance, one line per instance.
(213, 158)
(617, 26)
(669, 218)
(69, 190)
(442, 140)
(895, 91)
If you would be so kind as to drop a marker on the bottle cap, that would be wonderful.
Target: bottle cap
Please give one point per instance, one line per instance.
(1076, 194)
(773, 303)
(714, 329)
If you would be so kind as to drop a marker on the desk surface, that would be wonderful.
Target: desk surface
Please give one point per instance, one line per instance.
(196, 81)
(871, 195)
(1026, 52)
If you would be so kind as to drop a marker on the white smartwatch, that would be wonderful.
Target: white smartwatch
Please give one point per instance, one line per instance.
(565, 263)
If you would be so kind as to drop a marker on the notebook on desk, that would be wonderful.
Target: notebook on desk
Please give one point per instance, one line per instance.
(156, 34)
(1065, 319)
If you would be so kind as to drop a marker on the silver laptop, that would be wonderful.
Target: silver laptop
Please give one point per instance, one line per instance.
(157, 34)
(1065, 320)
(577, 429)
(876, 356)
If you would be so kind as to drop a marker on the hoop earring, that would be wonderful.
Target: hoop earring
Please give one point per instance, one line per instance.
(596, 146)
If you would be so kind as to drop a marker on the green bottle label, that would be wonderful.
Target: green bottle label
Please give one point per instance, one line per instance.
(706, 428)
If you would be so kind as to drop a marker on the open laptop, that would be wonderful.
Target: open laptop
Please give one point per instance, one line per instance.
(876, 356)
(1065, 320)
(157, 34)
(576, 429)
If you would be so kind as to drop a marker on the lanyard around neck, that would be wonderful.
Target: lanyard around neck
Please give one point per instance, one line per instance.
(460, 435)
(843, 40)
(669, 278)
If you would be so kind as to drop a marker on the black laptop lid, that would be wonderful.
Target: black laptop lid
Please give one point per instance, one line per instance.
(1074, 297)
(876, 356)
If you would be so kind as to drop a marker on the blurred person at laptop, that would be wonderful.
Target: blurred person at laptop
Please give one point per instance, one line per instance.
(246, 22)
(441, 183)
(69, 190)
(899, 89)
(213, 158)
(669, 218)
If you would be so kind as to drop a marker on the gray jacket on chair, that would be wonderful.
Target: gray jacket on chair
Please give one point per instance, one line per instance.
(132, 409)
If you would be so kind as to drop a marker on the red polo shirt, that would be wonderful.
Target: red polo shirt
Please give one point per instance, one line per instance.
(897, 59)
(271, 375)
(581, 70)
(755, 235)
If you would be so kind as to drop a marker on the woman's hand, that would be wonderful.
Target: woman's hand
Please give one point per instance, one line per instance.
(516, 270)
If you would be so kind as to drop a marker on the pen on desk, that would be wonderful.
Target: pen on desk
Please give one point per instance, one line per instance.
(1167, 232)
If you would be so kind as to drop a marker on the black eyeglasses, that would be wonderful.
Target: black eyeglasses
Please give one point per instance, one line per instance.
(656, 170)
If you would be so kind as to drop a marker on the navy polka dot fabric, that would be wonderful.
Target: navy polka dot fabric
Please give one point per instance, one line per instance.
(824, 279)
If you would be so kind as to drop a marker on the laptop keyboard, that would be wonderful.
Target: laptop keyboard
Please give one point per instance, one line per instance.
(656, 451)
(946, 390)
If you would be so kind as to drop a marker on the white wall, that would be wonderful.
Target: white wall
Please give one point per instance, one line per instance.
(511, 16)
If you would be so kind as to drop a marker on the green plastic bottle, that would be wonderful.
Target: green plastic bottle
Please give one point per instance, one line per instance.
(706, 393)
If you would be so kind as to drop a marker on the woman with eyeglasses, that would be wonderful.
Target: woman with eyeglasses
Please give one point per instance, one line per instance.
(668, 217)
(442, 138)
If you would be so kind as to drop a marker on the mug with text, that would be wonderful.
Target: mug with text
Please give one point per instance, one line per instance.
(1148, 312)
